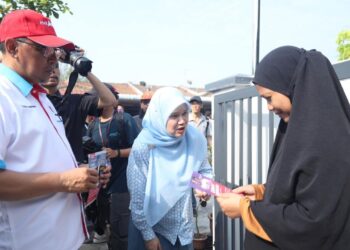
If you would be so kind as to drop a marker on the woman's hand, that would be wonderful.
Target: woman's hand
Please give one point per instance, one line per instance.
(248, 191)
(201, 195)
(153, 244)
(229, 203)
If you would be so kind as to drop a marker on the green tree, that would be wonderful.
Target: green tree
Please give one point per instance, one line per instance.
(343, 41)
(48, 8)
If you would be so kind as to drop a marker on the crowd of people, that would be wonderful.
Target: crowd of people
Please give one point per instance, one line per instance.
(143, 194)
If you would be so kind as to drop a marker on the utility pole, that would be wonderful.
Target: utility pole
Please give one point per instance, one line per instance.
(256, 35)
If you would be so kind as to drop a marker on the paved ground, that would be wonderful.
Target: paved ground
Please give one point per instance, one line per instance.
(203, 223)
(102, 246)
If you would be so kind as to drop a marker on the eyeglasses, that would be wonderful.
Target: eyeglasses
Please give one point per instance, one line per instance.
(178, 115)
(45, 51)
(145, 102)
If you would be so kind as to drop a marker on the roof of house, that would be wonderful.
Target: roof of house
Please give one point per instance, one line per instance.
(134, 91)
(130, 93)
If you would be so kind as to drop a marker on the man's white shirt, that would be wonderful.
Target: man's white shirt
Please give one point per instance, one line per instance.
(33, 141)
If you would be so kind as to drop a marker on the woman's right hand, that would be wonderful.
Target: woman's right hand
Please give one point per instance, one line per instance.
(229, 203)
(247, 191)
(153, 244)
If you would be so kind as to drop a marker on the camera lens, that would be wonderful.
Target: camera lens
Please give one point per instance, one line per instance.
(82, 64)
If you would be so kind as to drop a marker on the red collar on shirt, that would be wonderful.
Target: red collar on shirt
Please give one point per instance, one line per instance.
(37, 89)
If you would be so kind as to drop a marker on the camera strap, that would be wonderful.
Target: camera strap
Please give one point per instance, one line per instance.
(73, 77)
(71, 83)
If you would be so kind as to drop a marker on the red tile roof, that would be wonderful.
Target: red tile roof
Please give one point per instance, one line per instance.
(136, 90)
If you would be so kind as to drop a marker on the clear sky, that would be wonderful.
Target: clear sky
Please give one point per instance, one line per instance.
(170, 42)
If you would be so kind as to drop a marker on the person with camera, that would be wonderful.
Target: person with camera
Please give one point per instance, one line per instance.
(40, 203)
(74, 108)
(114, 132)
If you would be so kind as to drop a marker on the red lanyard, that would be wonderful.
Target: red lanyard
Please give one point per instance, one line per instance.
(35, 93)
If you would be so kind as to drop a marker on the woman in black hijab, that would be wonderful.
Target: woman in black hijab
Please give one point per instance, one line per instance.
(305, 202)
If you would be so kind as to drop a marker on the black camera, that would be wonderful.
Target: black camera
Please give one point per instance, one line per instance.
(77, 59)
(90, 146)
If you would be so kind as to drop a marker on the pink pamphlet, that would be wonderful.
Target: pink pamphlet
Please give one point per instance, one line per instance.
(205, 184)
(98, 161)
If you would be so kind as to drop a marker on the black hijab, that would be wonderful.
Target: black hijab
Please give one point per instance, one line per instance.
(306, 203)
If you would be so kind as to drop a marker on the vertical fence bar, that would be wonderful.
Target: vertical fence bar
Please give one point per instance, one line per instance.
(249, 139)
(259, 141)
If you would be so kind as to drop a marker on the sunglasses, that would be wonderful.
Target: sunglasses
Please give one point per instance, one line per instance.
(45, 51)
(145, 102)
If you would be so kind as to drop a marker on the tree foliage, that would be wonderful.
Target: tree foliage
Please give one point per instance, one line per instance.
(48, 8)
(343, 41)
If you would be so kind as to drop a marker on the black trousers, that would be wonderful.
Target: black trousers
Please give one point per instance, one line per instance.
(98, 211)
(119, 221)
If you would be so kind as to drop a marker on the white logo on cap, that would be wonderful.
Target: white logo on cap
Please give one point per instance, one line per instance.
(47, 23)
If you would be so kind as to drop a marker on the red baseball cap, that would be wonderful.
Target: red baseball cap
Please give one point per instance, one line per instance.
(32, 25)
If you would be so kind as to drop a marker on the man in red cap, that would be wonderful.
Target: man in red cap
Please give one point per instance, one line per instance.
(40, 205)
(144, 101)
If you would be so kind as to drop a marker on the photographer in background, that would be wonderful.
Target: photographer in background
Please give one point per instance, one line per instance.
(74, 108)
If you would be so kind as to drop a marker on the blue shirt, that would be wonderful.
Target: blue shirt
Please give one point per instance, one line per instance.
(2, 164)
(178, 222)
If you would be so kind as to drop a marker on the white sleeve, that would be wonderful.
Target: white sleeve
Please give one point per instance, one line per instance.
(4, 137)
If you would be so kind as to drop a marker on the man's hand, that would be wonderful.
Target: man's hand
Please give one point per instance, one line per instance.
(111, 153)
(105, 176)
(78, 180)
(153, 244)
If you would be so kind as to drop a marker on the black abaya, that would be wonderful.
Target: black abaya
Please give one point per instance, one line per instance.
(306, 204)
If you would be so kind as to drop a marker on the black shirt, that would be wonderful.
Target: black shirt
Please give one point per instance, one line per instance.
(118, 133)
(74, 111)
(138, 121)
